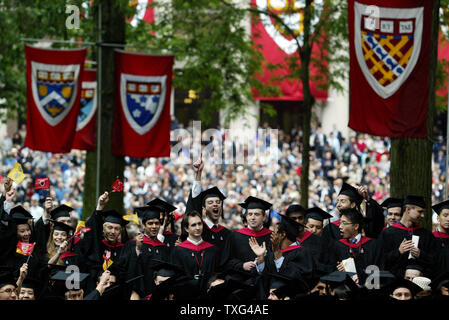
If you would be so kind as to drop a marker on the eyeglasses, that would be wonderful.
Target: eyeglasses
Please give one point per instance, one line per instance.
(344, 223)
(9, 291)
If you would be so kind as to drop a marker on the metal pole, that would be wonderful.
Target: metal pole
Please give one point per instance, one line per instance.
(97, 183)
(447, 150)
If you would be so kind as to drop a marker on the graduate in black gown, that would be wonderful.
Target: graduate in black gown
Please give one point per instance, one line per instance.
(105, 242)
(169, 237)
(364, 250)
(348, 197)
(287, 256)
(441, 235)
(148, 249)
(393, 207)
(238, 259)
(24, 250)
(44, 224)
(397, 246)
(311, 239)
(198, 258)
(210, 204)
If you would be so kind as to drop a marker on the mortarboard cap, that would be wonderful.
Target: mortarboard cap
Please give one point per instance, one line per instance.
(403, 283)
(293, 208)
(439, 281)
(162, 205)
(255, 203)
(63, 276)
(61, 211)
(440, 206)
(287, 286)
(414, 267)
(113, 216)
(337, 278)
(20, 215)
(149, 212)
(211, 192)
(351, 192)
(385, 277)
(166, 269)
(392, 203)
(316, 213)
(7, 276)
(415, 200)
(290, 226)
(62, 226)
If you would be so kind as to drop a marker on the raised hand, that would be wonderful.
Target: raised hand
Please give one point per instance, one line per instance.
(102, 200)
(258, 250)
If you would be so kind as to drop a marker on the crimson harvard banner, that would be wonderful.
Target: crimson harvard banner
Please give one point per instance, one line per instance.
(389, 66)
(85, 136)
(142, 108)
(53, 97)
(276, 45)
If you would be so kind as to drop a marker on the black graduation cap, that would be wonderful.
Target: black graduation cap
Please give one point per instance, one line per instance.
(415, 200)
(7, 276)
(415, 267)
(286, 286)
(182, 286)
(113, 216)
(293, 208)
(162, 205)
(290, 226)
(316, 213)
(62, 226)
(336, 278)
(255, 203)
(211, 192)
(61, 211)
(20, 215)
(32, 283)
(351, 192)
(440, 206)
(166, 269)
(392, 203)
(62, 276)
(403, 283)
(148, 212)
(440, 281)
(385, 277)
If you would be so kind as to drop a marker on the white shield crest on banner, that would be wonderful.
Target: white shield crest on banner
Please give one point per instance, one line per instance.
(142, 99)
(388, 46)
(54, 89)
(88, 103)
(290, 11)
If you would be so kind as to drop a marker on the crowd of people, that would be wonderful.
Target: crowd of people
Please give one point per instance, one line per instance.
(234, 231)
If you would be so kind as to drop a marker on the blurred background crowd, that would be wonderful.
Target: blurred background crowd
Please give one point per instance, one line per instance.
(360, 160)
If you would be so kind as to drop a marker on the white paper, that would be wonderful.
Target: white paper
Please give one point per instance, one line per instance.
(415, 240)
(349, 266)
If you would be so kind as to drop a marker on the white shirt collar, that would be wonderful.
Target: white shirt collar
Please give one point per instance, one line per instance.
(209, 223)
(194, 242)
(357, 238)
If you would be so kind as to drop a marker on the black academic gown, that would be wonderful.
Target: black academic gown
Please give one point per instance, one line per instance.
(319, 251)
(297, 264)
(331, 232)
(199, 262)
(151, 250)
(100, 252)
(237, 251)
(395, 262)
(215, 235)
(442, 243)
(366, 252)
(374, 214)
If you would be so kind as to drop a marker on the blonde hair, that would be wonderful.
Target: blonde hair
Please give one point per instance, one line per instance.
(51, 249)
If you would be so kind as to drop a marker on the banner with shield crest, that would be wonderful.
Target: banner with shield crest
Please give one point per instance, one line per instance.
(53, 90)
(389, 66)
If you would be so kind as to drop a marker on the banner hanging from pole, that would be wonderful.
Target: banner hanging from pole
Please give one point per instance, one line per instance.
(85, 136)
(142, 108)
(53, 97)
(389, 66)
